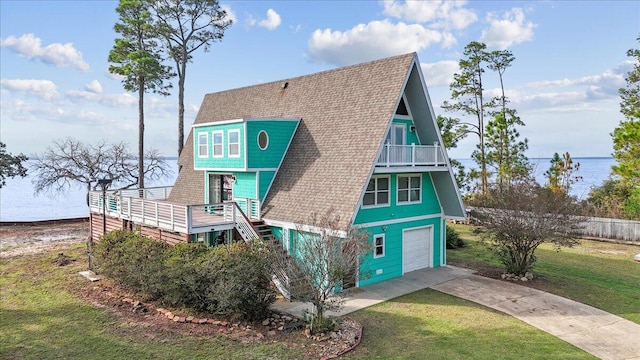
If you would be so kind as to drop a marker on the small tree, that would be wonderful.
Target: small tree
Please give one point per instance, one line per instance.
(524, 216)
(69, 162)
(10, 165)
(560, 175)
(321, 259)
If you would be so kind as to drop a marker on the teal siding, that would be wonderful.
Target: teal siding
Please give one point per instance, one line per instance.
(245, 185)
(428, 205)
(224, 162)
(411, 137)
(265, 179)
(391, 263)
(279, 132)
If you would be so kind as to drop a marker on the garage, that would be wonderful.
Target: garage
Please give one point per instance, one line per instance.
(416, 248)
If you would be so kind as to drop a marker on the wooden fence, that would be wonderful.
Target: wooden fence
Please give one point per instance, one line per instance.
(613, 229)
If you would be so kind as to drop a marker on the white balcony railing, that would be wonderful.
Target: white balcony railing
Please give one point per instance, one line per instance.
(152, 210)
(411, 155)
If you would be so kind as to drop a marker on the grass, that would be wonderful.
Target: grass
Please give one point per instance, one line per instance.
(599, 274)
(42, 317)
(428, 324)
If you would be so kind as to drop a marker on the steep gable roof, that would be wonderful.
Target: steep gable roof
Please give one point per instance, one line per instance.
(345, 113)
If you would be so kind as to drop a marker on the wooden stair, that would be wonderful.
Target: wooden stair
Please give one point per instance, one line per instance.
(264, 230)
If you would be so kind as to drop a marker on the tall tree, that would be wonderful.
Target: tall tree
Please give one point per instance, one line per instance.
(452, 133)
(10, 165)
(186, 26)
(468, 92)
(505, 150)
(137, 59)
(626, 137)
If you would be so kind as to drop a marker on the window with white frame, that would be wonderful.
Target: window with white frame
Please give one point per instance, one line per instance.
(378, 246)
(409, 189)
(203, 145)
(234, 143)
(377, 193)
(218, 145)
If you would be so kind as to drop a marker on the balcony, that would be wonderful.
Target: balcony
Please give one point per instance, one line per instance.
(411, 158)
(149, 207)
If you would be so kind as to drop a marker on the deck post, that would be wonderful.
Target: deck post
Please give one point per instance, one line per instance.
(413, 154)
(388, 153)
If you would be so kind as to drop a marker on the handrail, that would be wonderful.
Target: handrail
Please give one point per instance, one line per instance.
(245, 226)
(411, 155)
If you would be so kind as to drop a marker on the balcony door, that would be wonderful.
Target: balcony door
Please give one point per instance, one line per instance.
(215, 188)
(396, 136)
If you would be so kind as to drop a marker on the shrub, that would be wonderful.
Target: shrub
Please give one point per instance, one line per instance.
(454, 240)
(234, 280)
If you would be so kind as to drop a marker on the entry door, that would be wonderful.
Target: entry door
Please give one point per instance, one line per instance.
(215, 189)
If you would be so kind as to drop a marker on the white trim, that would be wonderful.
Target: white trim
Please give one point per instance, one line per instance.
(305, 228)
(213, 145)
(271, 119)
(408, 202)
(399, 220)
(258, 140)
(430, 259)
(443, 244)
(384, 246)
(408, 169)
(241, 169)
(223, 122)
(257, 186)
(206, 143)
(229, 143)
(245, 145)
(375, 192)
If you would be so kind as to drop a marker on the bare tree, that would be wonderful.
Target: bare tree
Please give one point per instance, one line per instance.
(69, 162)
(322, 257)
(524, 216)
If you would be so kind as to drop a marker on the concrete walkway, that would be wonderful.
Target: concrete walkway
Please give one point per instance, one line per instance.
(602, 334)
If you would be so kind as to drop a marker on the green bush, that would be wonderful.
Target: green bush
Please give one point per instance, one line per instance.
(231, 280)
(454, 240)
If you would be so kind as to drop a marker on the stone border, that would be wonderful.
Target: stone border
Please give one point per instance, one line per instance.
(358, 340)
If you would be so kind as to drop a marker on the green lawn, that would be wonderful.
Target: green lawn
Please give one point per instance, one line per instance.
(42, 317)
(600, 274)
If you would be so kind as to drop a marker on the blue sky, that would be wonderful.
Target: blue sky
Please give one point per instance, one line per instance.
(570, 62)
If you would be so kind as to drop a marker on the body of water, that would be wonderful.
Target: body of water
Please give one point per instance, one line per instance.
(18, 202)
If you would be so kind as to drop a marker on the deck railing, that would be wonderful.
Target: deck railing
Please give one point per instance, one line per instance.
(150, 209)
(411, 155)
(251, 207)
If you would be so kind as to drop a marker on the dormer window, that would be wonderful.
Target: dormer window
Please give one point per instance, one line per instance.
(234, 143)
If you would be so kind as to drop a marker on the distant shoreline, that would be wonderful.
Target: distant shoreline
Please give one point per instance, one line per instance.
(45, 222)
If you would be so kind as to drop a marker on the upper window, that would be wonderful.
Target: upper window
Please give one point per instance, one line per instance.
(409, 189)
(402, 108)
(263, 140)
(218, 146)
(378, 246)
(234, 143)
(203, 145)
(377, 192)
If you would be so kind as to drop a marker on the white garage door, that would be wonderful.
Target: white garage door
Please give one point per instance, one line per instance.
(416, 244)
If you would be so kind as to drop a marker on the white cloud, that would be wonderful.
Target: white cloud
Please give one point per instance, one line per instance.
(94, 87)
(19, 110)
(272, 21)
(440, 73)
(374, 40)
(230, 14)
(44, 89)
(509, 30)
(441, 14)
(112, 100)
(60, 55)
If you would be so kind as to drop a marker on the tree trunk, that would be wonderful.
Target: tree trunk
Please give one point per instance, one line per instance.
(181, 78)
(141, 134)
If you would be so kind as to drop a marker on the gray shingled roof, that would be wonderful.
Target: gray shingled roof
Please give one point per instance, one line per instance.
(345, 113)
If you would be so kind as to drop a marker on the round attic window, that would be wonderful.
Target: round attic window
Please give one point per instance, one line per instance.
(263, 140)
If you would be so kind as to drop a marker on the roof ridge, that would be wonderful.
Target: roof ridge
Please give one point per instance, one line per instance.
(342, 68)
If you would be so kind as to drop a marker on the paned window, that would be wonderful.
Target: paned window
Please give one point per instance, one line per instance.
(203, 145)
(377, 192)
(218, 146)
(234, 143)
(378, 246)
(409, 188)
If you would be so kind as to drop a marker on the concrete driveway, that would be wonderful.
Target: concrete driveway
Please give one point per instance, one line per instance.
(602, 334)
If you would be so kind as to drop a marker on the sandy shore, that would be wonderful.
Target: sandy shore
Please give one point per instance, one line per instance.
(19, 240)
